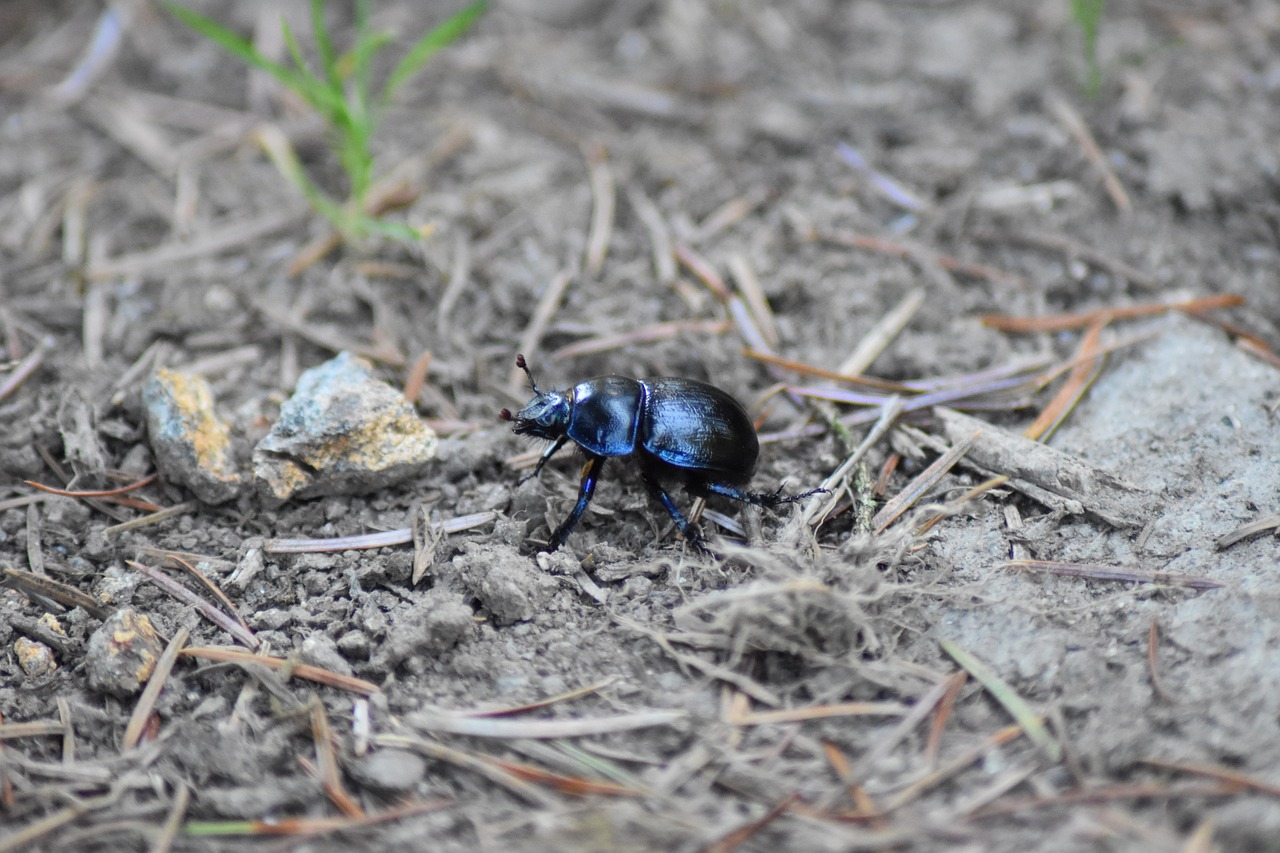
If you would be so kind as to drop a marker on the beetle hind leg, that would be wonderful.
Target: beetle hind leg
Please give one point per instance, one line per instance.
(687, 529)
(768, 500)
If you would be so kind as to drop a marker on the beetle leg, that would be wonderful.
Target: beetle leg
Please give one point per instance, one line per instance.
(590, 473)
(689, 531)
(768, 500)
(550, 451)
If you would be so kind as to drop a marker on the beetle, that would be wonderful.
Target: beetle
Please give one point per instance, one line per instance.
(674, 428)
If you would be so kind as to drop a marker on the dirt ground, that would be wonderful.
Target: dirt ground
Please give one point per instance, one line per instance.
(593, 174)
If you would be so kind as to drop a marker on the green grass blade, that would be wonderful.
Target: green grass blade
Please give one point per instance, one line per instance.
(366, 46)
(235, 44)
(1017, 707)
(442, 36)
(385, 228)
(285, 159)
(323, 98)
(324, 45)
(1088, 16)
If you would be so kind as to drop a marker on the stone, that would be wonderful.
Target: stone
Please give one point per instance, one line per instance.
(192, 447)
(343, 432)
(35, 658)
(391, 771)
(123, 653)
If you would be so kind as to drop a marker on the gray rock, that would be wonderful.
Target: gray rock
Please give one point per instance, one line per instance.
(392, 771)
(342, 432)
(191, 445)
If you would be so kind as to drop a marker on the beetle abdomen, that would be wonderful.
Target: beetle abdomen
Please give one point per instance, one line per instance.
(697, 426)
(606, 415)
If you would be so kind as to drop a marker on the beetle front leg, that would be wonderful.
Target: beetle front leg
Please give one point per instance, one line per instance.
(590, 473)
(550, 451)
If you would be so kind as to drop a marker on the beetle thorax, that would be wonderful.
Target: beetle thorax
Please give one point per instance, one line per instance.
(545, 416)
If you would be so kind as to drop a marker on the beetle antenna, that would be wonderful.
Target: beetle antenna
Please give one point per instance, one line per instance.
(524, 365)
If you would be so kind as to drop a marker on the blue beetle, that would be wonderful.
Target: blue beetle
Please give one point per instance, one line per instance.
(673, 427)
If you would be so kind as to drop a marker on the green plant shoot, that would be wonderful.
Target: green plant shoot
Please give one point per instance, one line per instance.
(343, 93)
(1088, 15)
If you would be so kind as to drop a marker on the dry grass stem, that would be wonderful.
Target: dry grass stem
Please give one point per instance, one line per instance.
(736, 838)
(383, 539)
(883, 333)
(1153, 661)
(956, 765)
(147, 701)
(1075, 125)
(301, 670)
(209, 586)
(21, 371)
(487, 727)
(1084, 319)
(921, 709)
(927, 260)
(14, 731)
(385, 352)
(1253, 528)
(728, 214)
(172, 825)
(1118, 574)
(328, 769)
(753, 294)
(546, 308)
(821, 712)
(30, 583)
(816, 509)
(703, 271)
(154, 518)
(231, 625)
(922, 483)
(1223, 774)
(954, 684)
(604, 201)
(417, 377)
(1078, 382)
(1106, 794)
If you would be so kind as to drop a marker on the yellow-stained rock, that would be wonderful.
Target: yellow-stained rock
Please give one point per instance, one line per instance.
(191, 445)
(123, 653)
(343, 431)
(35, 658)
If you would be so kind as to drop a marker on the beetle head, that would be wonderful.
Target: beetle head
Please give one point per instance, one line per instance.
(545, 416)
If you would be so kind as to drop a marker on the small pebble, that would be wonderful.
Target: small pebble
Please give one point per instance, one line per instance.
(392, 771)
(191, 445)
(123, 653)
(35, 658)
